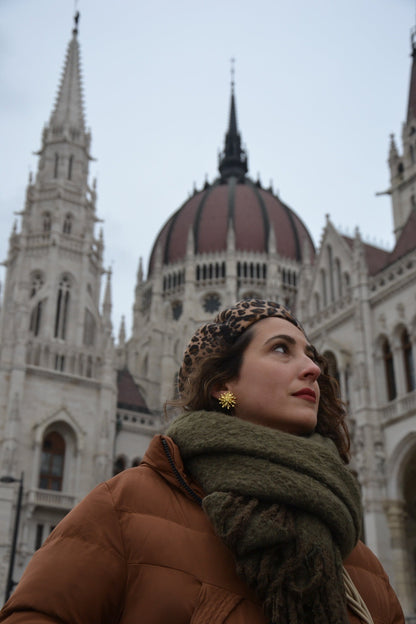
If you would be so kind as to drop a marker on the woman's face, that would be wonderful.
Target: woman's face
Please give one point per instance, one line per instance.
(277, 384)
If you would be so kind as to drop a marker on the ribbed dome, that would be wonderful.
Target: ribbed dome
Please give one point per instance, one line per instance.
(252, 210)
(233, 198)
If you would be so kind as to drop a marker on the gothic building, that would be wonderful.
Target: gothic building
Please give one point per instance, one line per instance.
(57, 381)
(75, 408)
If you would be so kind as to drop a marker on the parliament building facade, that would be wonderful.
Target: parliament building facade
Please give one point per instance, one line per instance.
(76, 406)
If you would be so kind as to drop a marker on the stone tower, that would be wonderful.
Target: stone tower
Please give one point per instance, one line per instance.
(57, 375)
(403, 166)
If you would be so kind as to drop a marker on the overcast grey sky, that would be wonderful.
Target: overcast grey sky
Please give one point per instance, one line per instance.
(319, 85)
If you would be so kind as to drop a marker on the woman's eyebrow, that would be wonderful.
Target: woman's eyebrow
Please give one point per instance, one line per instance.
(288, 339)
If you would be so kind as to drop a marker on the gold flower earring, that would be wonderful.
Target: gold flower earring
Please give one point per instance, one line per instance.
(227, 400)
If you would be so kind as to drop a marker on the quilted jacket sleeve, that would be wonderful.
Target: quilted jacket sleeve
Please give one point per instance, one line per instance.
(79, 574)
(374, 586)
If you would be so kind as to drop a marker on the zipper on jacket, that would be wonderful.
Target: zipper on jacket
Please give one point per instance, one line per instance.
(178, 476)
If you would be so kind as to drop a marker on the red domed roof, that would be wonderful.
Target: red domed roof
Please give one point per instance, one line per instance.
(252, 211)
(234, 198)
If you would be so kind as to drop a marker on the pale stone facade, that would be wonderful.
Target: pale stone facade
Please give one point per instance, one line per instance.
(59, 370)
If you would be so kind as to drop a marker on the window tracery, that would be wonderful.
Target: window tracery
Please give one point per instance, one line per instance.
(62, 308)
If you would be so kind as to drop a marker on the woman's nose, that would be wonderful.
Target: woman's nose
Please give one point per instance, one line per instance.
(311, 369)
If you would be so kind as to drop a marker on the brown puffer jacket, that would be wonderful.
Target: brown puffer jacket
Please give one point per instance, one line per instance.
(139, 549)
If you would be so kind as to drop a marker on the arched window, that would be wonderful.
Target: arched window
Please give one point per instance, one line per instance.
(52, 462)
(35, 318)
(89, 329)
(317, 304)
(67, 227)
(389, 371)
(70, 163)
(323, 286)
(338, 276)
(62, 307)
(89, 368)
(177, 309)
(331, 274)
(56, 166)
(119, 464)
(46, 222)
(409, 366)
(346, 280)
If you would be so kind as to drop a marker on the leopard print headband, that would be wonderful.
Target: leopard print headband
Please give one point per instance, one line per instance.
(224, 330)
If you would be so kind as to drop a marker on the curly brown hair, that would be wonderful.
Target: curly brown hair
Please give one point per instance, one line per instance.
(216, 369)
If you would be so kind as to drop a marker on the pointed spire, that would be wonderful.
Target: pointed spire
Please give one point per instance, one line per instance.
(69, 110)
(122, 333)
(107, 303)
(233, 160)
(140, 271)
(393, 153)
(411, 107)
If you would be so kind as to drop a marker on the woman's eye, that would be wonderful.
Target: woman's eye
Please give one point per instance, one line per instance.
(280, 348)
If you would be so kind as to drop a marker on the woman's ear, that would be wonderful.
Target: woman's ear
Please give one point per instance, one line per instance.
(218, 389)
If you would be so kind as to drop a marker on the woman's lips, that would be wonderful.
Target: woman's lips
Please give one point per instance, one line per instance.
(307, 394)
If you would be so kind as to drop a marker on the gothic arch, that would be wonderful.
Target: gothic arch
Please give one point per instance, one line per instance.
(46, 222)
(401, 473)
(399, 459)
(406, 353)
(60, 430)
(64, 417)
(67, 224)
(64, 290)
(384, 352)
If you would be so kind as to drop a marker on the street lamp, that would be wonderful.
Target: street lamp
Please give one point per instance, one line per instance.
(10, 583)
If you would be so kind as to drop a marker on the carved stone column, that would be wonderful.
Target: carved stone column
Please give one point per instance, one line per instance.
(404, 582)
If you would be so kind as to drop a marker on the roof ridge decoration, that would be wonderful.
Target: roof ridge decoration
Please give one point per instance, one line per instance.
(233, 161)
(68, 111)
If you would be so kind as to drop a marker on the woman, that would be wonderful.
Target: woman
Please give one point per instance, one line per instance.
(244, 513)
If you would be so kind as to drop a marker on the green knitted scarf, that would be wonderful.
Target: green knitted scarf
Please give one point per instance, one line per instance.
(286, 506)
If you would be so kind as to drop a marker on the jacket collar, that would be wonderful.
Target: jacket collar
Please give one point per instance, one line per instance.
(164, 457)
